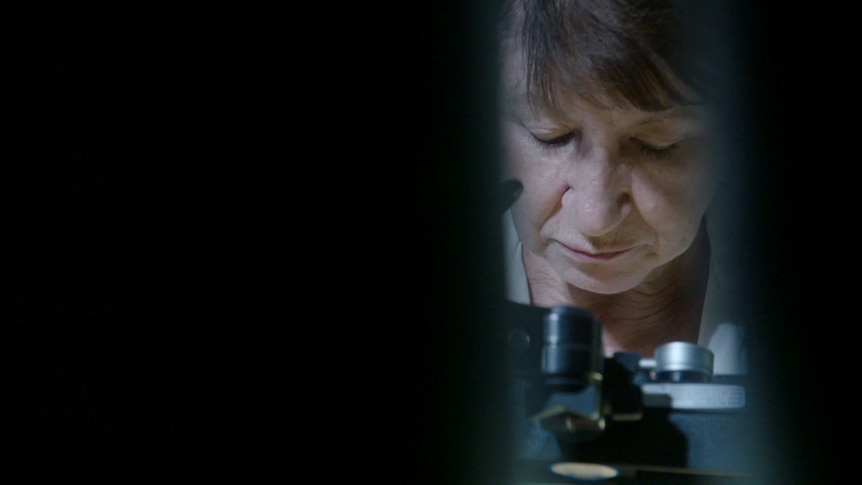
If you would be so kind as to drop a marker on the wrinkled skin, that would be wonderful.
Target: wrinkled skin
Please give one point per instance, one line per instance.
(612, 207)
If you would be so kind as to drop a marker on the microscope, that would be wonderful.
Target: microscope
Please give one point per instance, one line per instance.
(581, 416)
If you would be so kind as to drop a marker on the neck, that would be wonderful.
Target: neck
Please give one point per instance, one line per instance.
(666, 307)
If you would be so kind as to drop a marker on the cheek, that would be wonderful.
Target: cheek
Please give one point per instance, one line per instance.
(512, 153)
(535, 206)
(674, 222)
(673, 203)
(541, 175)
(515, 158)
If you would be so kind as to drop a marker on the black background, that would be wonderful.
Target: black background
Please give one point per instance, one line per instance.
(247, 240)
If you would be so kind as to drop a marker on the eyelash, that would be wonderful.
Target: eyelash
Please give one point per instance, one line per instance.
(662, 153)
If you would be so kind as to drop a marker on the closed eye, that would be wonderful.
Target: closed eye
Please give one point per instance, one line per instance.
(556, 141)
(653, 151)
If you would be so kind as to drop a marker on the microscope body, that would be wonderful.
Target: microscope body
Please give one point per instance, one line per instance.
(573, 404)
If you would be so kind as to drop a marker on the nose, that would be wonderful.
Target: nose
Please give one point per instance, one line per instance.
(598, 197)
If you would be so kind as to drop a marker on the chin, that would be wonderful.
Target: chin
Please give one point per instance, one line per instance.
(604, 284)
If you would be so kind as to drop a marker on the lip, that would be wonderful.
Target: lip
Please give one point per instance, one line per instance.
(592, 257)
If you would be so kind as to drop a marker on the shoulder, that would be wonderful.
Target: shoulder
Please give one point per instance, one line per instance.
(727, 343)
(721, 329)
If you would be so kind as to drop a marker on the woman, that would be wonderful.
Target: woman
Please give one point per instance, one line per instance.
(609, 121)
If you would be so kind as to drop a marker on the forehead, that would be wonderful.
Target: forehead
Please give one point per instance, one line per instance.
(513, 72)
(570, 98)
(574, 110)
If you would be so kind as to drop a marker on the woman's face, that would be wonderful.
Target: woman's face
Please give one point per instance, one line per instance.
(610, 193)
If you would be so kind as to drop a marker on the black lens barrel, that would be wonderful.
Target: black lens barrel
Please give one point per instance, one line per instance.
(572, 347)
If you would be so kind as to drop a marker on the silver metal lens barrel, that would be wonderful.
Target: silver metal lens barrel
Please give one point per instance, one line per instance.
(684, 357)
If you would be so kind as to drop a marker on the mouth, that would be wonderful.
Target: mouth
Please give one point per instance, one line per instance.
(589, 256)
